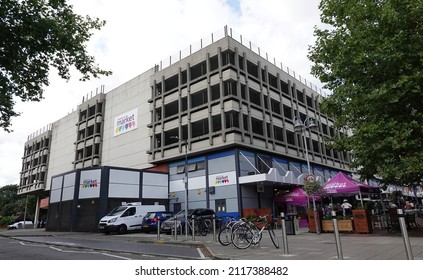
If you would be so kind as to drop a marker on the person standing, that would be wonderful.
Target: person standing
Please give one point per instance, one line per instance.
(346, 208)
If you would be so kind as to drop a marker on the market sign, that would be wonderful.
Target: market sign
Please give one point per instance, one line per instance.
(125, 122)
(222, 179)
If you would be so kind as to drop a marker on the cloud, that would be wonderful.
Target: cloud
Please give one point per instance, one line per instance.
(139, 34)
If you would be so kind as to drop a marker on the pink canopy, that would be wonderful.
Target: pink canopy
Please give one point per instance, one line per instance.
(297, 197)
(341, 184)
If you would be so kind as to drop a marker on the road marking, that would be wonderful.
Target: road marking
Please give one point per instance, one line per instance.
(201, 253)
(30, 244)
(88, 252)
(115, 256)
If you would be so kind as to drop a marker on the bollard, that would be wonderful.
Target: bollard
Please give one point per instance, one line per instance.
(337, 239)
(158, 229)
(175, 230)
(284, 237)
(193, 227)
(214, 228)
(405, 234)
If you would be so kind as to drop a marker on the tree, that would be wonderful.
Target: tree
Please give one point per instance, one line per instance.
(370, 56)
(13, 205)
(35, 35)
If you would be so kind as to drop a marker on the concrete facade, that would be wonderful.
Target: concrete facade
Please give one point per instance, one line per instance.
(232, 111)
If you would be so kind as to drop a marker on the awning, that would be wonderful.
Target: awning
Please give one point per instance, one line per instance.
(274, 176)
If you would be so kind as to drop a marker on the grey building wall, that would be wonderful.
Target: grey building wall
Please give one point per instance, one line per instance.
(197, 184)
(223, 177)
(128, 149)
(62, 149)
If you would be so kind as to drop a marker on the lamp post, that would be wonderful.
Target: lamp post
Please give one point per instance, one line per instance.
(301, 127)
(185, 181)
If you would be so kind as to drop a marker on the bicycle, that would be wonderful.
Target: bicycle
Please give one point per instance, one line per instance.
(251, 233)
(225, 234)
(202, 226)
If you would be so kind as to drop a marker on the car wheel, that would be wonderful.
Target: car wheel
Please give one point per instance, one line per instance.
(107, 232)
(121, 229)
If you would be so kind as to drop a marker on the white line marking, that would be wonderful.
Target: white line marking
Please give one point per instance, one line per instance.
(114, 256)
(201, 253)
(88, 252)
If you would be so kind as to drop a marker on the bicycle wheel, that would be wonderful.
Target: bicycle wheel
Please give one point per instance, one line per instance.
(273, 236)
(224, 236)
(198, 229)
(207, 227)
(257, 235)
(242, 237)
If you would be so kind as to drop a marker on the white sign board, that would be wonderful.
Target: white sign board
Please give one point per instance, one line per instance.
(222, 179)
(125, 122)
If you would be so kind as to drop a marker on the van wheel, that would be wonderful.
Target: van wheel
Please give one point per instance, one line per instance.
(121, 229)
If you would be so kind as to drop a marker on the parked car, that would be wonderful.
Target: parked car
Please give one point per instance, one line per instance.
(150, 220)
(166, 226)
(20, 225)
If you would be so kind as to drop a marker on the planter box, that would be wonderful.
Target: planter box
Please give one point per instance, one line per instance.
(362, 221)
(311, 223)
(343, 226)
(327, 226)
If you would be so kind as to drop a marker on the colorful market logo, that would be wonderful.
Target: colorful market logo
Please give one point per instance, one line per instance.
(126, 122)
(222, 180)
(89, 183)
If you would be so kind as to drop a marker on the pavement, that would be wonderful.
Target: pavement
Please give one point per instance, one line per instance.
(379, 245)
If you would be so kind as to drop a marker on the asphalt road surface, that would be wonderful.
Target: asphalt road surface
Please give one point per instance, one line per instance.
(13, 249)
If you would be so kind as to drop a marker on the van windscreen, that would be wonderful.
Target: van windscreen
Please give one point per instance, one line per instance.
(117, 211)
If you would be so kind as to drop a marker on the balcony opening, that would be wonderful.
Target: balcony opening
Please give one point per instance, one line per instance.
(200, 128)
(198, 70)
(171, 83)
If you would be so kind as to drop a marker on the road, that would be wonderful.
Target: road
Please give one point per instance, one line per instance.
(35, 248)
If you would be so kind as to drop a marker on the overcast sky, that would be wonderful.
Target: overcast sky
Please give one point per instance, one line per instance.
(141, 33)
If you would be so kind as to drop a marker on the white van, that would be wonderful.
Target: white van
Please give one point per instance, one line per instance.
(126, 217)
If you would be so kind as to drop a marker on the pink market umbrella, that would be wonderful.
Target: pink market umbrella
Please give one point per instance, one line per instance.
(342, 185)
(297, 196)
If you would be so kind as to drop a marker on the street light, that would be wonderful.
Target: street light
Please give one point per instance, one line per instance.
(186, 183)
(301, 127)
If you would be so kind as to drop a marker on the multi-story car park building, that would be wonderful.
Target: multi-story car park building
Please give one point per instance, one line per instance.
(221, 115)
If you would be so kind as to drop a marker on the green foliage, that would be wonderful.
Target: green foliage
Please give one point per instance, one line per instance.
(312, 187)
(12, 205)
(371, 56)
(35, 35)
(7, 220)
